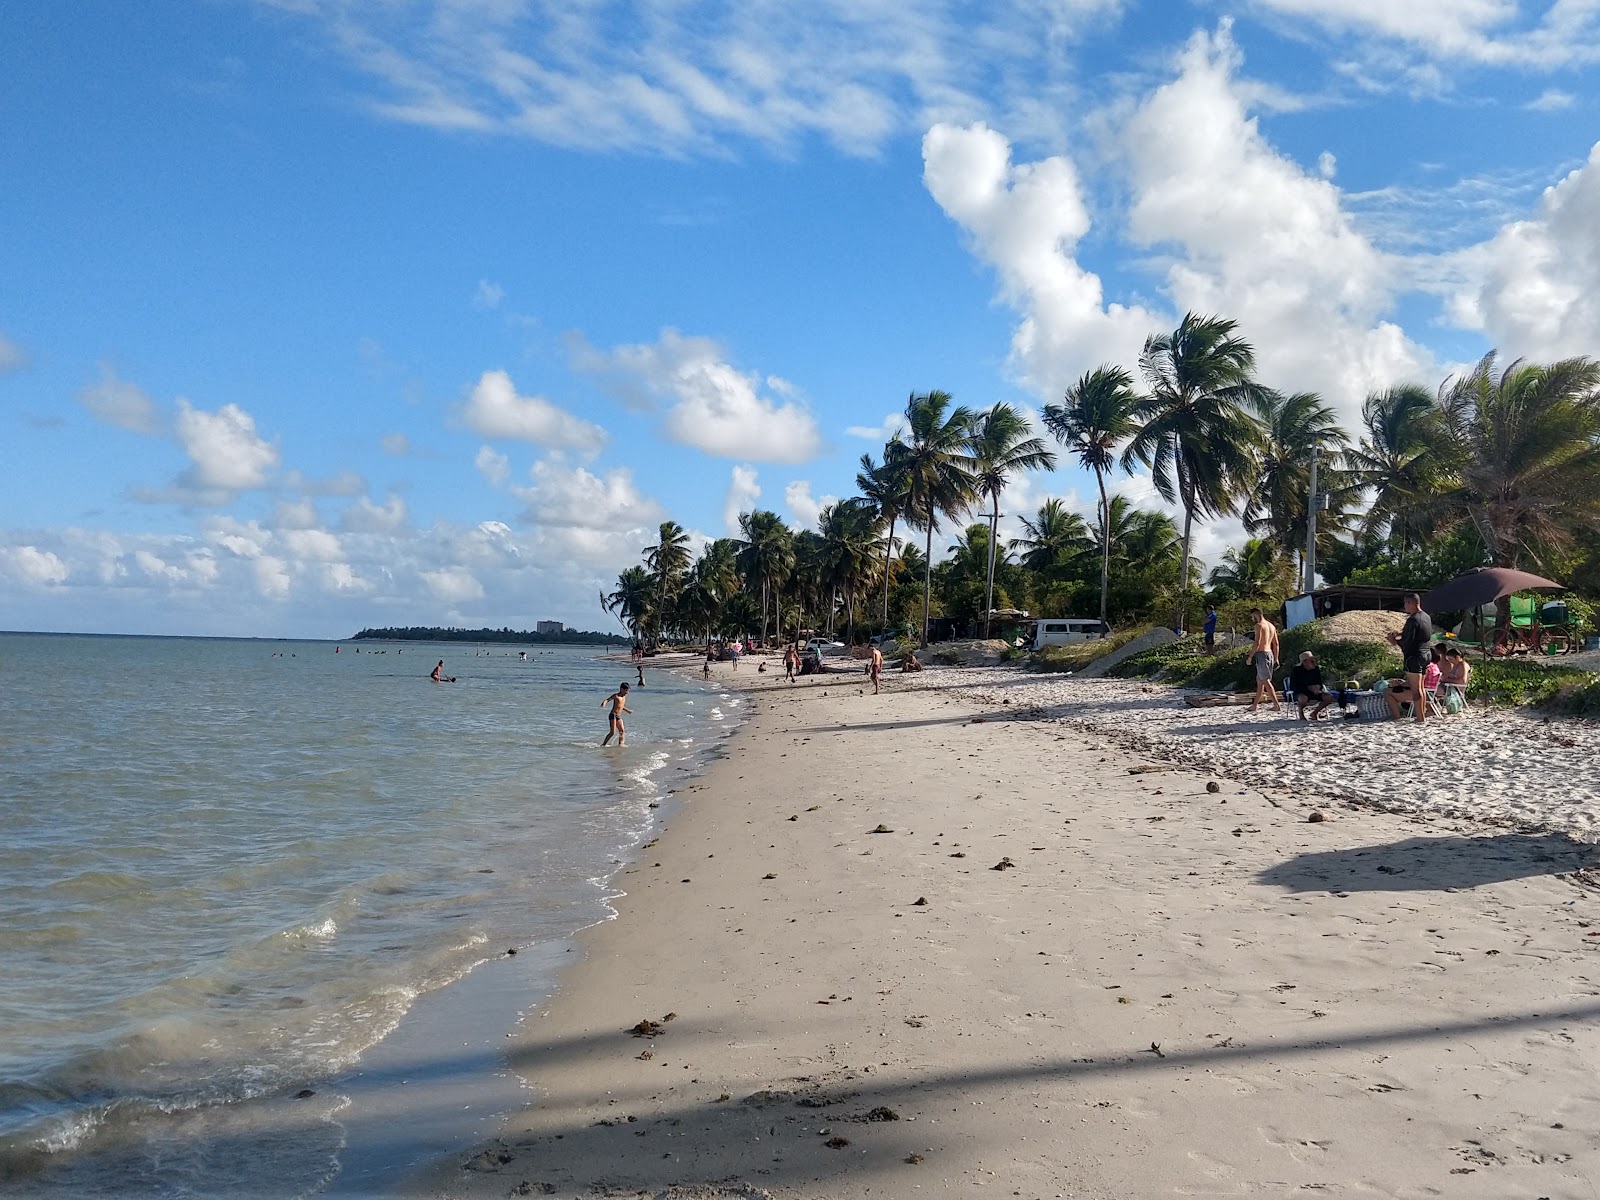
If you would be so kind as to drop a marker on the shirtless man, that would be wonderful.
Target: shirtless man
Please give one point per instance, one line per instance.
(791, 662)
(1264, 655)
(618, 700)
(875, 668)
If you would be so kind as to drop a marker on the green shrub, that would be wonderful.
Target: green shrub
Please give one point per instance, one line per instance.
(1525, 681)
(1059, 659)
(1173, 656)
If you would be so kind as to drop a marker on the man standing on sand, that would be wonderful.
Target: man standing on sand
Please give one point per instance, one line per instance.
(1412, 642)
(1211, 630)
(791, 661)
(619, 705)
(875, 668)
(1264, 654)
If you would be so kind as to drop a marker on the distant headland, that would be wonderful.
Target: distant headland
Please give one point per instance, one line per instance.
(435, 633)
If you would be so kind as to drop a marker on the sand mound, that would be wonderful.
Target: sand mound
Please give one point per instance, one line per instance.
(977, 653)
(1361, 625)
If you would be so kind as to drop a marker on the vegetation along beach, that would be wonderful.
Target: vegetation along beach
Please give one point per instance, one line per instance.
(754, 601)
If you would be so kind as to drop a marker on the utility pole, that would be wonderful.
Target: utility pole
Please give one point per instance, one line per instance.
(1311, 529)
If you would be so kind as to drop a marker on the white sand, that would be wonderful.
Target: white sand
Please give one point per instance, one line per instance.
(1173, 992)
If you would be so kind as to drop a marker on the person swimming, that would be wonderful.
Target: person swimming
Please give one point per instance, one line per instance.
(618, 700)
(438, 675)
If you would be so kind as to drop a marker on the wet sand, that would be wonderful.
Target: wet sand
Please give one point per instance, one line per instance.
(819, 984)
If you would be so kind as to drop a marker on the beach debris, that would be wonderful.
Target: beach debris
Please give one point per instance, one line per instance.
(913, 1158)
(723, 1099)
(959, 854)
(882, 1113)
(837, 1143)
(1213, 787)
(1149, 767)
(881, 829)
(489, 1160)
(814, 808)
(796, 817)
(1317, 817)
(645, 1055)
(304, 1094)
(648, 1028)
(511, 953)
(769, 875)
(913, 1022)
(1124, 999)
(920, 902)
(1005, 864)
(534, 1187)
(1155, 1048)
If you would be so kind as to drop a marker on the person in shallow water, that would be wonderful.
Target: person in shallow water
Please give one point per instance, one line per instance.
(438, 675)
(618, 700)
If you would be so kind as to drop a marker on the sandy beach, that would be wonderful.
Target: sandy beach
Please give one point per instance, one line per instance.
(990, 933)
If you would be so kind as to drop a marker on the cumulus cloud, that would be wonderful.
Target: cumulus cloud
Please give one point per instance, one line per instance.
(12, 356)
(35, 567)
(366, 517)
(453, 585)
(712, 405)
(118, 402)
(892, 424)
(397, 444)
(743, 492)
(804, 508)
(492, 465)
(300, 513)
(495, 410)
(488, 295)
(1551, 100)
(569, 496)
(224, 449)
(1534, 288)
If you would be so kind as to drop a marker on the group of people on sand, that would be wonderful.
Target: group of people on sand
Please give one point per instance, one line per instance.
(1432, 675)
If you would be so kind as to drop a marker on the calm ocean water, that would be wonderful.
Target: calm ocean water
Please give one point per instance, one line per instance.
(225, 876)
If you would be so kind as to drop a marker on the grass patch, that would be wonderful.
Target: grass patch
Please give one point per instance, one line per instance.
(1175, 658)
(1060, 659)
(1520, 681)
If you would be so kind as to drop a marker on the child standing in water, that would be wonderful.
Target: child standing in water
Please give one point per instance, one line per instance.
(618, 700)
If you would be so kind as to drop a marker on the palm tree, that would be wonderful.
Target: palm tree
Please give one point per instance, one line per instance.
(633, 601)
(885, 485)
(669, 559)
(1258, 570)
(1052, 538)
(1097, 414)
(1399, 462)
(1002, 444)
(849, 530)
(1294, 429)
(939, 472)
(1197, 437)
(767, 555)
(1526, 450)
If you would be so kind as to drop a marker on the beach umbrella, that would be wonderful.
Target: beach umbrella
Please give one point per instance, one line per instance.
(1480, 586)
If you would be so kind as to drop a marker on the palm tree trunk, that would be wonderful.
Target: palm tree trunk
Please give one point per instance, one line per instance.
(888, 552)
(1183, 569)
(988, 587)
(927, 583)
(1105, 544)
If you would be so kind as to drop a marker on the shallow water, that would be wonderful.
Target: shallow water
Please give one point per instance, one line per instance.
(231, 867)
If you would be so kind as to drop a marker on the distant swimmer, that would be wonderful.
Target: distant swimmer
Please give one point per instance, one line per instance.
(438, 675)
(618, 700)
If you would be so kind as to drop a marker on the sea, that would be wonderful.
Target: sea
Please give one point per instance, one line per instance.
(269, 910)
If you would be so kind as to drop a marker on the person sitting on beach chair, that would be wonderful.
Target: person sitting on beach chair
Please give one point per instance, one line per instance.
(1454, 673)
(1305, 684)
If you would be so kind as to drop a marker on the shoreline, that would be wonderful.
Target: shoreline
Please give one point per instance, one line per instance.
(1169, 990)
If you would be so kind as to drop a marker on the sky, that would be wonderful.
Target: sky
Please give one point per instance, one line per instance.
(323, 314)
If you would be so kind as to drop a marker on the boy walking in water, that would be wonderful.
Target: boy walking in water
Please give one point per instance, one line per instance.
(1265, 656)
(618, 700)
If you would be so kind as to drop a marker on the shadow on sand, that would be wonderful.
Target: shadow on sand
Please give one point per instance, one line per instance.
(1422, 864)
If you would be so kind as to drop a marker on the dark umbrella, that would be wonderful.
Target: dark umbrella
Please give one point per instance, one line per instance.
(1480, 586)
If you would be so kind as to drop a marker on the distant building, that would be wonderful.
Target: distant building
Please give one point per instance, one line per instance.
(550, 627)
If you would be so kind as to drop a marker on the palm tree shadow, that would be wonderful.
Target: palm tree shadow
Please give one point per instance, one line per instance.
(1422, 864)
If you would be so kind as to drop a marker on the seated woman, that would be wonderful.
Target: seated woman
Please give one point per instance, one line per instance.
(1399, 692)
(910, 662)
(1454, 674)
(1305, 682)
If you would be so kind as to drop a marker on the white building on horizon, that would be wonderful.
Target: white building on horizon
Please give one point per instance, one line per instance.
(549, 627)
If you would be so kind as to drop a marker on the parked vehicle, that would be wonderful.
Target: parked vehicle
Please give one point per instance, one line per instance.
(1051, 631)
(823, 648)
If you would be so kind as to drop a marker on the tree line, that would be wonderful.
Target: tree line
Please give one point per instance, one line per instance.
(1497, 466)
(439, 633)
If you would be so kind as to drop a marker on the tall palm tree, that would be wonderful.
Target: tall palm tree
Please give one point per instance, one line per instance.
(1526, 449)
(1052, 538)
(849, 530)
(1002, 445)
(1400, 463)
(1196, 436)
(939, 471)
(885, 485)
(1097, 414)
(1294, 428)
(668, 559)
(634, 600)
(767, 555)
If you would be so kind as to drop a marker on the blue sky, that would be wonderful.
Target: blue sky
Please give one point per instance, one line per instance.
(320, 314)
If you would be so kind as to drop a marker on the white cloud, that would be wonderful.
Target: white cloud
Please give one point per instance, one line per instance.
(316, 545)
(804, 509)
(12, 356)
(492, 465)
(158, 568)
(453, 585)
(571, 497)
(488, 295)
(118, 402)
(397, 444)
(655, 77)
(366, 517)
(1551, 100)
(1534, 288)
(495, 410)
(743, 492)
(713, 406)
(892, 424)
(36, 567)
(224, 448)
(300, 513)
(272, 577)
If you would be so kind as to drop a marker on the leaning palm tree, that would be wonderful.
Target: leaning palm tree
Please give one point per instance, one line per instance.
(1097, 414)
(1051, 538)
(1196, 436)
(1400, 463)
(1525, 445)
(668, 559)
(1294, 429)
(1002, 445)
(633, 601)
(939, 472)
(885, 486)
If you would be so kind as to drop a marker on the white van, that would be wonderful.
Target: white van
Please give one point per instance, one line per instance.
(1066, 631)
